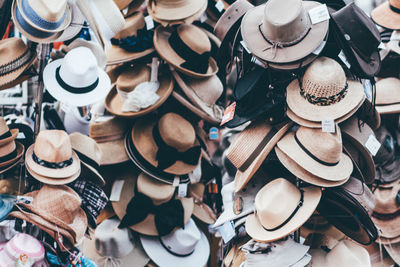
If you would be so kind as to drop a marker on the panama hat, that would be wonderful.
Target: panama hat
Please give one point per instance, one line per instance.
(324, 92)
(174, 9)
(388, 96)
(387, 15)
(281, 31)
(187, 48)
(76, 79)
(76, 25)
(281, 208)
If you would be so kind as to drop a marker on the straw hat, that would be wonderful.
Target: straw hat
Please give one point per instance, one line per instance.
(132, 42)
(90, 154)
(281, 208)
(127, 82)
(77, 22)
(51, 159)
(281, 31)
(174, 9)
(187, 48)
(324, 93)
(201, 210)
(387, 15)
(159, 193)
(174, 149)
(388, 95)
(393, 250)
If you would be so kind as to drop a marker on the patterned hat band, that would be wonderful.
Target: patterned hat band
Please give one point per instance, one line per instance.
(16, 64)
(322, 100)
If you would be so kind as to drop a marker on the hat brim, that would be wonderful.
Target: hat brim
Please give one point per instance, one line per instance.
(394, 252)
(388, 109)
(259, 47)
(51, 180)
(14, 134)
(77, 21)
(254, 228)
(385, 17)
(76, 100)
(176, 12)
(388, 228)
(113, 152)
(204, 213)
(20, 152)
(9, 167)
(161, 36)
(117, 55)
(91, 173)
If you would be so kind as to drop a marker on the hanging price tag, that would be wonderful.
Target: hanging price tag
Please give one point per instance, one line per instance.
(203, 17)
(245, 47)
(368, 89)
(213, 135)
(219, 6)
(229, 113)
(343, 58)
(328, 126)
(227, 231)
(319, 14)
(149, 22)
(116, 190)
(182, 190)
(176, 181)
(382, 46)
(372, 145)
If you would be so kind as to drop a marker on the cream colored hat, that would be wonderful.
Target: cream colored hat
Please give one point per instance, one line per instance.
(388, 96)
(174, 9)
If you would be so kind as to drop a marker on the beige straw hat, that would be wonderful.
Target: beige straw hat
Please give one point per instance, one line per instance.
(201, 210)
(387, 15)
(281, 208)
(174, 9)
(388, 95)
(324, 93)
(7, 135)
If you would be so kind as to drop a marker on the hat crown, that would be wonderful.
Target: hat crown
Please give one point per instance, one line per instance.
(388, 91)
(208, 90)
(132, 77)
(132, 25)
(53, 146)
(348, 253)
(177, 132)
(11, 49)
(194, 38)
(158, 191)
(395, 3)
(86, 146)
(275, 202)
(324, 78)
(386, 198)
(113, 126)
(49, 10)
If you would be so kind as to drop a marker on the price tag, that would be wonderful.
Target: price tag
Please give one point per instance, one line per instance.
(116, 190)
(203, 17)
(24, 199)
(149, 22)
(372, 145)
(227, 231)
(245, 47)
(182, 190)
(219, 6)
(104, 118)
(229, 113)
(176, 181)
(318, 50)
(343, 58)
(259, 63)
(21, 135)
(125, 11)
(328, 126)
(319, 14)
(395, 36)
(213, 134)
(382, 46)
(368, 89)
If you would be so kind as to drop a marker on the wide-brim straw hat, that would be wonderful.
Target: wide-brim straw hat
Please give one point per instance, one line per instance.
(385, 16)
(6, 165)
(256, 43)
(174, 10)
(388, 95)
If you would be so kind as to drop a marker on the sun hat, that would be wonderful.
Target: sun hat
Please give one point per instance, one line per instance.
(169, 143)
(109, 135)
(236, 256)
(281, 208)
(187, 48)
(174, 9)
(51, 159)
(114, 245)
(387, 96)
(76, 79)
(281, 31)
(324, 92)
(6, 205)
(201, 210)
(387, 15)
(134, 41)
(369, 114)
(186, 246)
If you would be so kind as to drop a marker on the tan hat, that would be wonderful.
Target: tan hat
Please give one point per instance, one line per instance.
(281, 31)
(379, 257)
(174, 9)
(281, 208)
(201, 210)
(51, 159)
(159, 193)
(187, 48)
(90, 154)
(324, 92)
(169, 143)
(387, 15)
(10, 153)
(388, 96)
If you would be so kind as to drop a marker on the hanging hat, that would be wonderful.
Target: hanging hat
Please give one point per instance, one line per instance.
(76, 79)
(90, 154)
(149, 207)
(174, 9)
(388, 96)
(324, 92)
(10, 151)
(201, 210)
(76, 25)
(387, 15)
(51, 159)
(282, 31)
(187, 48)
(184, 247)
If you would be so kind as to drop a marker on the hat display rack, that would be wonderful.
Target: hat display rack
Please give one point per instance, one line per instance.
(235, 133)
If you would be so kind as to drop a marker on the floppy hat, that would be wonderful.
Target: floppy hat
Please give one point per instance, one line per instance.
(281, 31)
(186, 246)
(76, 79)
(387, 15)
(174, 9)
(388, 96)
(169, 144)
(281, 208)
(51, 159)
(149, 207)
(132, 42)
(90, 154)
(324, 92)
(187, 48)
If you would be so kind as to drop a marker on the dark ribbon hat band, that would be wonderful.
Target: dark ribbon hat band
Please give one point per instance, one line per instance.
(29, 29)
(173, 253)
(324, 101)
(285, 44)
(5, 135)
(87, 160)
(10, 156)
(135, 44)
(311, 154)
(37, 20)
(16, 63)
(52, 165)
(72, 89)
(394, 9)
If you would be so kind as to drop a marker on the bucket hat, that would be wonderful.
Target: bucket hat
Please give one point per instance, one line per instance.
(387, 15)
(281, 31)
(324, 92)
(149, 207)
(186, 246)
(388, 96)
(174, 9)
(187, 48)
(51, 158)
(77, 86)
(273, 221)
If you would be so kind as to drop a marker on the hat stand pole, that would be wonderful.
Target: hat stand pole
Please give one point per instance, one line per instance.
(297, 232)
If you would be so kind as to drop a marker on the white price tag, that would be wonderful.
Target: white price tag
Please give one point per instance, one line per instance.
(21, 135)
(382, 46)
(116, 190)
(368, 89)
(328, 126)
(149, 22)
(245, 47)
(203, 17)
(176, 181)
(182, 190)
(104, 118)
(219, 5)
(259, 63)
(318, 50)
(227, 231)
(343, 58)
(125, 11)
(372, 145)
(319, 14)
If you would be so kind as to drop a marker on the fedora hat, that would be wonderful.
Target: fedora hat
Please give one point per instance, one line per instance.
(10, 153)
(132, 42)
(6, 135)
(76, 79)
(135, 86)
(184, 247)
(202, 95)
(281, 208)
(201, 210)
(324, 92)
(187, 48)
(387, 15)
(388, 96)
(281, 31)
(318, 152)
(159, 213)
(169, 144)
(174, 9)
(51, 158)
(76, 25)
